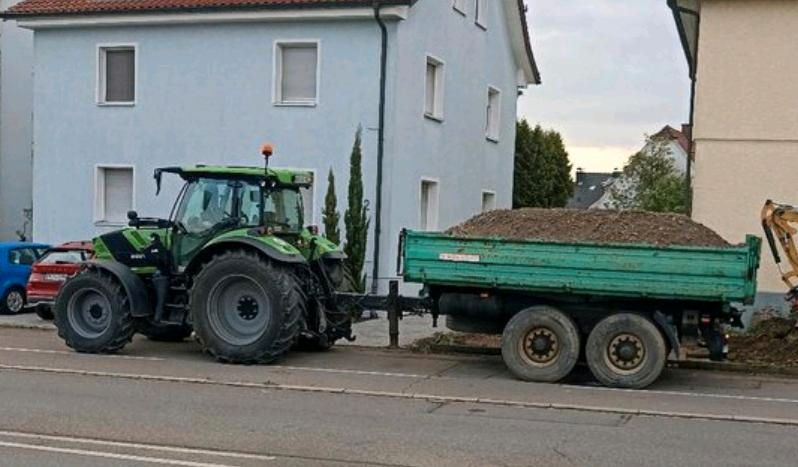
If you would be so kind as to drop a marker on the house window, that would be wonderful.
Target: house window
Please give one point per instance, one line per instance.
(459, 6)
(433, 99)
(429, 205)
(117, 75)
(488, 201)
(481, 12)
(297, 73)
(113, 194)
(493, 114)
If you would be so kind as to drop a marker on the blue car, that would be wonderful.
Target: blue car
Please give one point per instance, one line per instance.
(16, 259)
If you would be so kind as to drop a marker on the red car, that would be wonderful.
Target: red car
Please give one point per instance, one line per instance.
(51, 271)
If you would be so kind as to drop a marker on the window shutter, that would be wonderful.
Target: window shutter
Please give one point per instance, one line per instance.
(118, 194)
(120, 75)
(299, 73)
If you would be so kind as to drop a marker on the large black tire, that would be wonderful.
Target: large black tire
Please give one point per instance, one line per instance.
(471, 325)
(541, 344)
(13, 301)
(164, 332)
(245, 309)
(92, 314)
(626, 350)
(45, 312)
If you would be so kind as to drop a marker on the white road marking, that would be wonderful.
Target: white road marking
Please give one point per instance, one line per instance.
(352, 372)
(685, 394)
(65, 352)
(151, 447)
(109, 455)
(413, 396)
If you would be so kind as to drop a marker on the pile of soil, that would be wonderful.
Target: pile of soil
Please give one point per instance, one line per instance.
(449, 339)
(602, 226)
(773, 341)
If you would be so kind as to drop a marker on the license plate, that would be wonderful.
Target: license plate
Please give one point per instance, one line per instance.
(55, 277)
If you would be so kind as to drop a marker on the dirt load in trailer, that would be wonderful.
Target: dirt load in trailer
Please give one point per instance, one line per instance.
(618, 290)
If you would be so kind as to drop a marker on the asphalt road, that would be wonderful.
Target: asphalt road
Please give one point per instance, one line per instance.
(160, 404)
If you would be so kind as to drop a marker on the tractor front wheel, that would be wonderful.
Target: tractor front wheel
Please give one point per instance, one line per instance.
(245, 309)
(92, 314)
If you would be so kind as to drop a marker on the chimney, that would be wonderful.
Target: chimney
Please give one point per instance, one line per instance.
(580, 176)
(687, 130)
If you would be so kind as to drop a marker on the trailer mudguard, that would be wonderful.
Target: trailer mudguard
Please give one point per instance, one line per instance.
(140, 306)
(669, 331)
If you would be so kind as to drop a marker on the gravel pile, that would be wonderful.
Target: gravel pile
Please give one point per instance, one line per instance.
(602, 226)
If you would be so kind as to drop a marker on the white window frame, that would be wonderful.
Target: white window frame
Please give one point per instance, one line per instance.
(493, 129)
(101, 72)
(481, 13)
(440, 88)
(460, 6)
(99, 193)
(482, 200)
(433, 219)
(277, 72)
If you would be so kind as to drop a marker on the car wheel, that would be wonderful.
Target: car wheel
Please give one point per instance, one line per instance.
(13, 302)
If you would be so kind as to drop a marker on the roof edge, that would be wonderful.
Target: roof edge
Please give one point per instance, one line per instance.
(15, 12)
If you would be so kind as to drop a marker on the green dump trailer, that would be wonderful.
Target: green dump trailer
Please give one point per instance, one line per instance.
(621, 308)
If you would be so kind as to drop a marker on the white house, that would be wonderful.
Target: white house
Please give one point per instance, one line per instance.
(16, 128)
(124, 87)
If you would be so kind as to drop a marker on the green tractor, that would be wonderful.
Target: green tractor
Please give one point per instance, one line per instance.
(234, 263)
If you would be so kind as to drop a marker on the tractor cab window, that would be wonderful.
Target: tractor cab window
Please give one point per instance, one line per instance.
(283, 210)
(206, 204)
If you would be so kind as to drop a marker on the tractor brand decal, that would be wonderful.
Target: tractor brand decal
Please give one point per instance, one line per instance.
(459, 258)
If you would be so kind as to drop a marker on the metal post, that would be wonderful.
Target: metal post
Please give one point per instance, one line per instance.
(393, 314)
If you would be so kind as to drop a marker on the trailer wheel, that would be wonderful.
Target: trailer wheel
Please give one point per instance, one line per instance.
(540, 344)
(626, 350)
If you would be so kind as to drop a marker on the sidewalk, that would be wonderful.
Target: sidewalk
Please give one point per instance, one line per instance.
(371, 333)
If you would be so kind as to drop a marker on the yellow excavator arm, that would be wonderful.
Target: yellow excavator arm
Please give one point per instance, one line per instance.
(778, 220)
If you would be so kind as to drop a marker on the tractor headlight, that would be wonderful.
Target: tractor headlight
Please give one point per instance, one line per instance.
(303, 179)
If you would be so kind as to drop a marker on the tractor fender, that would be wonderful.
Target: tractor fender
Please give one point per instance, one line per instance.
(239, 242)
(134, 287)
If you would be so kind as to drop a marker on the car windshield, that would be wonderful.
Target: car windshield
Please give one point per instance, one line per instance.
(64, 256)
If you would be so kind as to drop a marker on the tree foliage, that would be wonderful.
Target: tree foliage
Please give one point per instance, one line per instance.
(356, 218)
(542, 176)
(651, 182)
(330, 215)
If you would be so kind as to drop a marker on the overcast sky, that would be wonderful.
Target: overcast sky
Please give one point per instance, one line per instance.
(613, 71)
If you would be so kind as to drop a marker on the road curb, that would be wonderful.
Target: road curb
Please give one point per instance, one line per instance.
(734, 367)
(432, 398)
(34, 326)
(731, 367)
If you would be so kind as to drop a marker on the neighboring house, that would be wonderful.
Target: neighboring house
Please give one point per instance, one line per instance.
(124, 87)
(742, 60)
(591, 188)
(16, 128)
(594, 190)
(675, 144)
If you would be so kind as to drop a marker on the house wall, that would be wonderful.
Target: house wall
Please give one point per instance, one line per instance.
(16, 107)
(454, 152)
(746, 124)
(204, 96)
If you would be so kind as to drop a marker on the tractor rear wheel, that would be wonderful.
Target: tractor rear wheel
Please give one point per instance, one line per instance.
(245, 309)
(92, 314)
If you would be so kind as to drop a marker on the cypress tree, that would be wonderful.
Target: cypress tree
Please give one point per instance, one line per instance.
(356, 219)
(330, 215)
